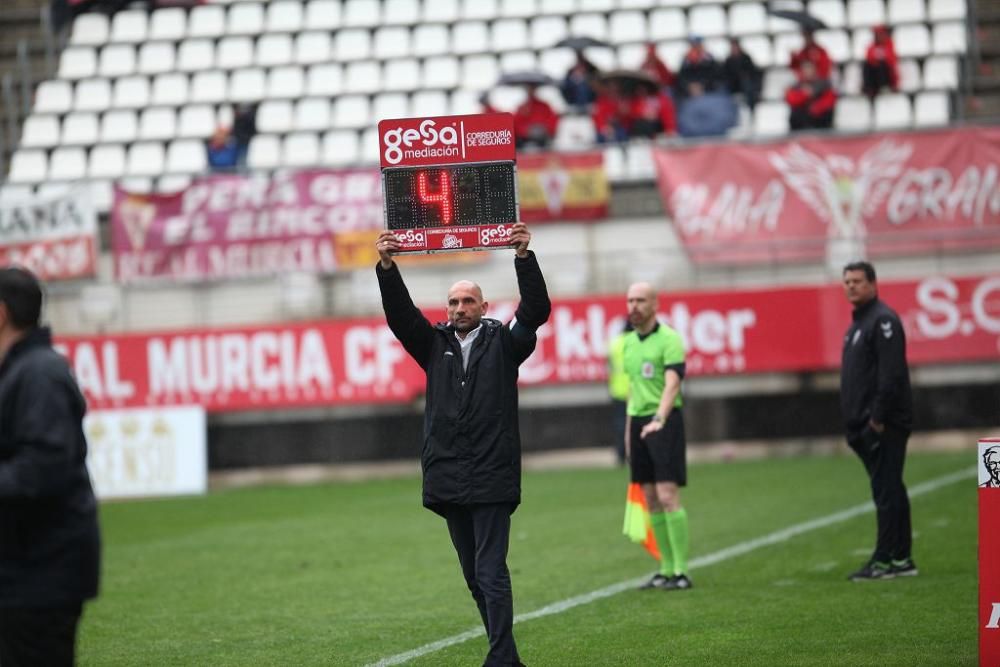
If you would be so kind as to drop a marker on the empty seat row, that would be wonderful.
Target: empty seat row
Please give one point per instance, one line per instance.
(888, 112)
(181, 156)
(289, 16)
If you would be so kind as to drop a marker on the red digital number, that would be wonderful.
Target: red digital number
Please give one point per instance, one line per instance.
(441, 199)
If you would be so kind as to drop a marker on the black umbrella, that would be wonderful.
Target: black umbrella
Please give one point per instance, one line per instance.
(581, 43)
(804, 19)
(631, 79)
(525, 78)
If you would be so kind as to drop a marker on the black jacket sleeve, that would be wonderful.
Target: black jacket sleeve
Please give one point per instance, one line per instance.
(405, 320)
(890, 348)
(534, 308)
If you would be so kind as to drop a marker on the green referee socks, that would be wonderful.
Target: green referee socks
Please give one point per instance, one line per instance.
(658, 521)
(677, 531)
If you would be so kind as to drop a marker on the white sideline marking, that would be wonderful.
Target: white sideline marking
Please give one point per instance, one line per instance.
(740, 549)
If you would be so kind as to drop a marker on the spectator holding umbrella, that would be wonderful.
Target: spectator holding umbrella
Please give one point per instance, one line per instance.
(881, 67)
(611, 113)
(578, 86)
(811, 100)
(814, 54)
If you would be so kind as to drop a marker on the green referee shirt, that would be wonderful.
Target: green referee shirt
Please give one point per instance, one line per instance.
(646, 359)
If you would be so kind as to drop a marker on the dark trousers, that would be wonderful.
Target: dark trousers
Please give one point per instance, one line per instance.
(481, 534)
(619, 416)
(883, 455)
(38, 637)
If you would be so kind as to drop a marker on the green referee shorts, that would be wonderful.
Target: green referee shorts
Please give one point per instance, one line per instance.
(661, 457)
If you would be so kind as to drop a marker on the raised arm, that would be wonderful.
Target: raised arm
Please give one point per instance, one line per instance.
(405, 320)
(534, 308)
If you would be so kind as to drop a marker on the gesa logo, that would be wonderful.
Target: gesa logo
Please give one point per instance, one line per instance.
(427, 134)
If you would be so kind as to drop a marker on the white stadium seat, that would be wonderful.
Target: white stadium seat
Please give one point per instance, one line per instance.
(131, 92)
(477, 9)
(390, 105)
(247, 85)
(273, 50)
(949, 38)
(170, 89)
(168, 24)
(353, 44)
(525, 8)
(196, 55)
(15, 193)
(210, 86)
(264, 152)
(440, 72)
(301, 150)
(832, 12)
(234, 53)
(172, 183)
(284, 16)
(785, 45)
(93, 95)
(556, 62)
(910, 80)
(288, 81)
(351, 111)
(106, 161)
(322, 15)
(667, 24)
(574, 132)
(941, 72)
(931, 109)
(777, 81)
(479, 72)
(324, 80)
(207, 21)
(340, 147)
(78, 62)
(129, 27)
(401, 74)
(404, 12)
(517, 61)
(102, 193)
(196, 121)
(509, 35)
(245, 18)
(391, 42)
(53, 97)
(596, 5)
(604, 58)
(853, 114)
(628, 26)
(40, 131)
(157, 123)
(312, 47)
(747, 18)
(589, 25)
(758, 47)
(145, 159)
(429, 103)
(79, 129)
(906, 11)
(850, 79)
(912, 41)
(470, 37)
(440, 11)
(28, 166)
(368, 146)
(312, 114)
(118, 126)
(361, 13)
(67, 164)
(54, 190)
(91, 29)
(546, 30)
(363, 77)
(464, 102)
(865, 13)
(707, 20)
(946, 10)
(770, 119)
(836, 42)
(430, 40)
(156, 58)
(640, 4)
(117, 60)
(186, 156)
(139, 184)
(861, 39)
(614, 162)
(893, 112)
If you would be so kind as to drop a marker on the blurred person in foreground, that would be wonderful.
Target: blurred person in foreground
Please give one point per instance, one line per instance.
(49, 537)
(471, 453)
(811, 101)
(535, 122)
(877, 408)
(654, 432)
(881, 67)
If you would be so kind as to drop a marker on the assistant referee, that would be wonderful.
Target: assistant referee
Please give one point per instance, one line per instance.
(654, 434)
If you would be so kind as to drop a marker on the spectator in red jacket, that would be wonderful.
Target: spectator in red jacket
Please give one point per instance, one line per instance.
(881, 67)
(535, 122)
(811, 100)
(611, 113)
(651, 112)
(813, 53)
(656, 68)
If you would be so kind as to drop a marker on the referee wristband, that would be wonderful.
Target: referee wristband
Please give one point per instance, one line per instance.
(657, 418)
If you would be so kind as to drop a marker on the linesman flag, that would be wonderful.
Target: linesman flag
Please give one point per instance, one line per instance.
(637, 527)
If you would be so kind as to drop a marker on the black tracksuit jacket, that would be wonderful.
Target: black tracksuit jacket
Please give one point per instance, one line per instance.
(874, 377)
(49, 539)
(471, 441)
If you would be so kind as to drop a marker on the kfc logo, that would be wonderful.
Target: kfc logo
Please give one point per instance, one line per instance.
(400, 143)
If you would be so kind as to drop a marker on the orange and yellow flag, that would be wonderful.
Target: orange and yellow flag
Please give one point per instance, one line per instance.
(637, 527)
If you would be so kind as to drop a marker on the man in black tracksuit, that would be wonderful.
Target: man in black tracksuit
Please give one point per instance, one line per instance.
(471, 455)
(49, 540)
(877, 407)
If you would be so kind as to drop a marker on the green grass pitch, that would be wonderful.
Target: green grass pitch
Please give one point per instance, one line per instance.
(351, 573)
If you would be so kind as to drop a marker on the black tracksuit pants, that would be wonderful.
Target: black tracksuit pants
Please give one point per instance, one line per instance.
(883, 455)
(44, 636)
(481, 534)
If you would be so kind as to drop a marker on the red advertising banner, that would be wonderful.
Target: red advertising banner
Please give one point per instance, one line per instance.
(418, 142)
(562, 186)
(54, 238)
(988, 464)
(885, 194)
(228, 226)
(343, 362)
